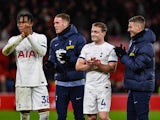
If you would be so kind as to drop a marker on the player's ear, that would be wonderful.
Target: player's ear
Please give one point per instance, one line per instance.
(104, 33)
(65, 23)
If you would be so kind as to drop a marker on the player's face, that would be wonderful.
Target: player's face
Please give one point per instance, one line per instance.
(59, 24)
(97, 35)
(23, 22)
(133, 28)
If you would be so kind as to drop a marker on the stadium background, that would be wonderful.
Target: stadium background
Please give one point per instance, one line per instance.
(115, 13)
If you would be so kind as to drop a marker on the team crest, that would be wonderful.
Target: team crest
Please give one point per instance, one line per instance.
(70, 46)
(133, 52)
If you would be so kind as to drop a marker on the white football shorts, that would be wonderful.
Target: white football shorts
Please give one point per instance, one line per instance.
(32, 98)
(97, 100)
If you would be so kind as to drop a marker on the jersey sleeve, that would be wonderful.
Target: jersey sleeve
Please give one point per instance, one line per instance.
(83, 53)
(39, 43)
(11, 45)
(112, 56)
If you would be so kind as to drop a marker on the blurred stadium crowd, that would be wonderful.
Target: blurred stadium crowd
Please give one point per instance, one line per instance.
(115, 13)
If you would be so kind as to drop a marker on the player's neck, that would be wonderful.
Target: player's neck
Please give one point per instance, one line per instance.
(99, 42)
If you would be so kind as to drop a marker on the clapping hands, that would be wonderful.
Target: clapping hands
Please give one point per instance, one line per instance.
(93, 63)
(120, 51)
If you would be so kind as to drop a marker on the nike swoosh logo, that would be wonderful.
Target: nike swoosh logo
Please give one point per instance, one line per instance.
(135, 102)
(78, 98)
(56, 45)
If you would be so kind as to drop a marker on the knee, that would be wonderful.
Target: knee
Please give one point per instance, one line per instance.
(104, 117)
(143, 116)
(43, 110)
(92, 117)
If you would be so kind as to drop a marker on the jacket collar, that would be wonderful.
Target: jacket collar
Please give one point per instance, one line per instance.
(138, 35)
(64, 31)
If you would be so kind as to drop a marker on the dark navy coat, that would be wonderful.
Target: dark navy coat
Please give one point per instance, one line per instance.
(140, 63)
(71, 41)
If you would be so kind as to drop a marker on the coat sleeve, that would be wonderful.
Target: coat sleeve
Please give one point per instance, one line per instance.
(81, 41)
(141, 60)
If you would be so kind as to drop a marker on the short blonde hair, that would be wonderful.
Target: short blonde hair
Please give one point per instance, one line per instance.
(138, 19)
(64, 16)
(101, 25)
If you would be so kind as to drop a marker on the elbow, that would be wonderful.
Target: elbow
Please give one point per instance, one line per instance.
(77, 68)
(42, 52)
(4, 52)
(112, 69)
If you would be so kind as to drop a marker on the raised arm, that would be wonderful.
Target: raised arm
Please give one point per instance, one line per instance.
(11, 45)
(40, 45)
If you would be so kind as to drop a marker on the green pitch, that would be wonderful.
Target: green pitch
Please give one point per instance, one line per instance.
(114, 115)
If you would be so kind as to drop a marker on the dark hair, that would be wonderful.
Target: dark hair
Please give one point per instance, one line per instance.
(64, 16)
(101, 25)
(139, 19)
(24, 13)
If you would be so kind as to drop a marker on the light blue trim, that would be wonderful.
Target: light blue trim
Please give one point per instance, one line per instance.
(71, 83)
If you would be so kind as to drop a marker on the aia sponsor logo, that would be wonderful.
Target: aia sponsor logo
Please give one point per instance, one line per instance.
(26, 54)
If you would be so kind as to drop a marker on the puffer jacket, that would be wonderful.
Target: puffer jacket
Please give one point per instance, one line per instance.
(71, 41)
(140, 63)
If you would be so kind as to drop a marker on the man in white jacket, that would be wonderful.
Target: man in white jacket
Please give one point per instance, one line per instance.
(29, 48)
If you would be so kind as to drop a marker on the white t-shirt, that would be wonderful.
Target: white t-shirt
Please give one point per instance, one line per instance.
(105, 53)
(29, 59)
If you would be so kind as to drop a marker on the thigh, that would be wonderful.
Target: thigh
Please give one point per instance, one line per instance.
(90, 103)
(40, 98)
(76, 96)
(62, 100)
(104, 99)
(23, 98)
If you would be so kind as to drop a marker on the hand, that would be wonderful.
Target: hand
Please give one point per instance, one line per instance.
(49, 69)
(61, 56)
(120, 51)
(48, 65)
(26, 30)
(23, 35)
(94, 63)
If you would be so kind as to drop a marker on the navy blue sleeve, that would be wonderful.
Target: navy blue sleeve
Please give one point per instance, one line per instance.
(141, 60)
(81, 41)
